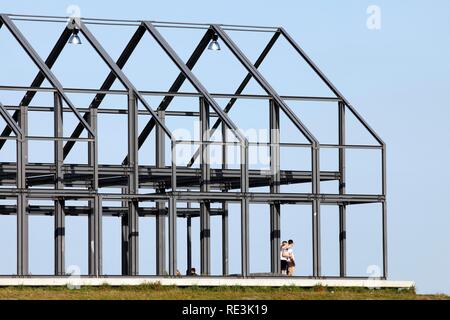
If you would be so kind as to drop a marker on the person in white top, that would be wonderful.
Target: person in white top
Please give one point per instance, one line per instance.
(284, 257)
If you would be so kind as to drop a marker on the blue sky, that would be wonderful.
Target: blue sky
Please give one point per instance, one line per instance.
(397, 77)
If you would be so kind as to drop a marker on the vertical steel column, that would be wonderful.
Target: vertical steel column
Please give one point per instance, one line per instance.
(173, 215)
(125, 232)
(316, 209)
(225, 265)
(188, 242)
(94, 217)
(161, 205)
(245, 265)
(59, 217)
(274, 119)
(205, 217)
(342, 207)
(384, 208)
(22, 201)
(172, 236)
(133, 186)
(225, 242)
(95, 257)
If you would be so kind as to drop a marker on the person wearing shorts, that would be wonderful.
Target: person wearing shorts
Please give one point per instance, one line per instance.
(291, 258)
(284, 257)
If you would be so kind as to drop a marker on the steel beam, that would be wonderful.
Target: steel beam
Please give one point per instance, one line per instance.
(119, 73)
(225, 242)
(95, 237)
(191, 94)
(342, 208)
(160, 223)
(42, 67)
(39, 79)
(315, 153)
(60, 228)
(239, 90)
(133, 186)
(94, 217)
(176, 85)
(275, 208)
(212, 196)
(39, 210)
(205, 219)
(172, 220)
(107, 84)
(385, 237)
(263, 83)
(243, 196)
(79, 175)
(384, 213)
(125, 231)
(22, 199)
(10, 122)
(193, 79)
(188, 243)
(330, 85)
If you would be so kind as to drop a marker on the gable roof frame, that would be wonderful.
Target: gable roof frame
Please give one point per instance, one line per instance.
(43, 68)
(264, 84)
(194, 81)
(330, 85)
(119, 73)
(38, 80)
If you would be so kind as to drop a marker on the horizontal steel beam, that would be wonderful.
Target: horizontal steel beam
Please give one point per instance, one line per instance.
(38, 210)
(151, 176)
(170, 94)
(128, 22)
(193, 196)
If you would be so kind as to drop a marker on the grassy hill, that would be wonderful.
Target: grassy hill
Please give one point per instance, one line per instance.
(209, 293)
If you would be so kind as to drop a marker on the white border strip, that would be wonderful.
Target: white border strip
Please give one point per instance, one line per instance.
(199, 281)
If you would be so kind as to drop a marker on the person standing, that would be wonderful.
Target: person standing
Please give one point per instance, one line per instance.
(284, 257)
(291, 258)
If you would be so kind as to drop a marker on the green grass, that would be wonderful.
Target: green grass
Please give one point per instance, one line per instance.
(156, 291)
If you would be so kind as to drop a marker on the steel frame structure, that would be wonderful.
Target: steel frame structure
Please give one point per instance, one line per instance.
(23, 181)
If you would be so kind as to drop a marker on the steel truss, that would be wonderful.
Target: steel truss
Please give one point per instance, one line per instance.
(23, 181)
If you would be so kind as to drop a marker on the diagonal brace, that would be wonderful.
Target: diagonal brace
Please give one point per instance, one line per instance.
(10, 122)
(202, 45)
(193, 79)
(120, 75)
(330, 85)
(42, 67)
(264, 84)
(39, 79)
(107, 84)
(239, 90)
